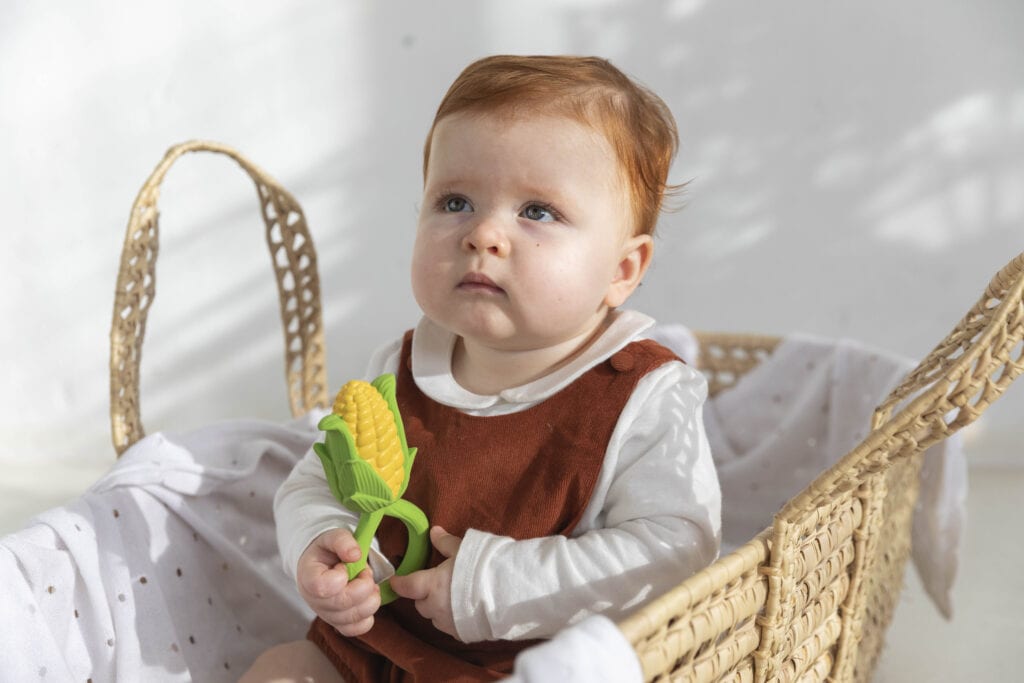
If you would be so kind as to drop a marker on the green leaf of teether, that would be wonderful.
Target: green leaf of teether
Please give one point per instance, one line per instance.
(330, 470)
(410, 456)
(359, 478)
(367, 503)
(331, 421)
(386, 385)
(338, 441)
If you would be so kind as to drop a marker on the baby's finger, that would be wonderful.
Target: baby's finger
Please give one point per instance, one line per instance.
(447, 544)
(359, 590)
(355, 613)
(343, 544)
(426, 609)
(415, 586)
(320, 582)
(361, 599)
(356, 629)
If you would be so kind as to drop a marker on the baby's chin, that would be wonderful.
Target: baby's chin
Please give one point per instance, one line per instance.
(565, 343)
(484, 322)
(498, 328)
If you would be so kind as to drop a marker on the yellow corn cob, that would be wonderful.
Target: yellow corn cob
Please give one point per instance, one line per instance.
(373, 429)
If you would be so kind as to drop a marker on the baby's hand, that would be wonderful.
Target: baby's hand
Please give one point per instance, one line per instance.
(323, 583)
(432, 588)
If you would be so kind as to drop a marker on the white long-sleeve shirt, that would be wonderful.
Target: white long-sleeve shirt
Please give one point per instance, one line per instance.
(653, 519)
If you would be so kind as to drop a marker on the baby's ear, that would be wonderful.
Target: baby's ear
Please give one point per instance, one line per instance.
(635, 259)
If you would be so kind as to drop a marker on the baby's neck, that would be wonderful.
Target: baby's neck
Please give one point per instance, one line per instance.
(486, 371)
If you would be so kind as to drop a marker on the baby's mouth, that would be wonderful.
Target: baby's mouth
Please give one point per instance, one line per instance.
(478, 282)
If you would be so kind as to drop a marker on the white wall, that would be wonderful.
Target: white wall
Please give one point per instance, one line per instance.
(857, 170)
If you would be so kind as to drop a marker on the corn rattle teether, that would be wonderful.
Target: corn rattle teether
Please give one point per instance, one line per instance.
(367, 462)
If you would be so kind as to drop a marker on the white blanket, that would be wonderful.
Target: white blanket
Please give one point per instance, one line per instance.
(591, 651)
(797, 413)
(165, 570)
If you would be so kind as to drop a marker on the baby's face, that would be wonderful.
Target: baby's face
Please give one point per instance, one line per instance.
(522, 230)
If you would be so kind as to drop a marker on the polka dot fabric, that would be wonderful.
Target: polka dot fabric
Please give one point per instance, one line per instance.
(167, 569)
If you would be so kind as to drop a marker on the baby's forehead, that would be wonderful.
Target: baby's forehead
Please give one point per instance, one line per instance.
(552, 141)
(540, 116)
(528, 112)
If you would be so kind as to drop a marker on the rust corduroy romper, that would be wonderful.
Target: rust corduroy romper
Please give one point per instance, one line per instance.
(525, 475)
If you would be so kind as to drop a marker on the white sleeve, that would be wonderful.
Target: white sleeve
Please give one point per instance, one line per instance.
(304, 506)
(659, 523)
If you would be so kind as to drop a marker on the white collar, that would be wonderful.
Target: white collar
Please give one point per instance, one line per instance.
(432, 347)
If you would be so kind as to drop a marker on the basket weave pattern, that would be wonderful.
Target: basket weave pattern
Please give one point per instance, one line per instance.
(807, 599)
(832, 562)
(298, 284)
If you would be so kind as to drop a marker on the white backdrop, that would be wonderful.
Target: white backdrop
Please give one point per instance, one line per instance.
(857, 170)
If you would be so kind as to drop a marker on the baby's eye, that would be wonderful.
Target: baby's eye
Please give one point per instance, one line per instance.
(539, 212)
(455, 205)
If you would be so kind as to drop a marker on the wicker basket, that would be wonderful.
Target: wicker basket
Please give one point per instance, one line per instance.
(298, 286)
(810, 597)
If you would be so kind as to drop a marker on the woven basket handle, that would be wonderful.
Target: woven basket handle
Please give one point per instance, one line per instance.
(298, 286)
(974, 364)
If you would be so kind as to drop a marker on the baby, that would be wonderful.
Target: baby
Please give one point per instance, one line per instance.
(561, 455)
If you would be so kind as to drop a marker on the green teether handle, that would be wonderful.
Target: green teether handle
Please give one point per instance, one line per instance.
(365, 530)
(416, 550)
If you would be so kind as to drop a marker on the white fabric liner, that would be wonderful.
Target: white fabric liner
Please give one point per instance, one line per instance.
(798, 412)
(167, 568)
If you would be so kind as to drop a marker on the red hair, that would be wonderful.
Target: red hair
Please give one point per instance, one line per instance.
(635, 121)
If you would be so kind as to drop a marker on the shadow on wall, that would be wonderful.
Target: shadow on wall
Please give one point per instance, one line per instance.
(852, 175)
(833, 153)
(210, 346)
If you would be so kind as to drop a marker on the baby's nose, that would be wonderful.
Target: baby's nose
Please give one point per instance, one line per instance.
(487, 236)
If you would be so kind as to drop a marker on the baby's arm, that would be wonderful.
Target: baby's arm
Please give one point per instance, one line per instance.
(304, 507)
(315, 538)
(658, 523)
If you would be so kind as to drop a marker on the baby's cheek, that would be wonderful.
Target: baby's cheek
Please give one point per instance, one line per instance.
(424, 281)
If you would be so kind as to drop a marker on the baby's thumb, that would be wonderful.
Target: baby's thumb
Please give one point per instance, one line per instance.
(342, 543)
(414, 586)
(320, 580)
(447, 544)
